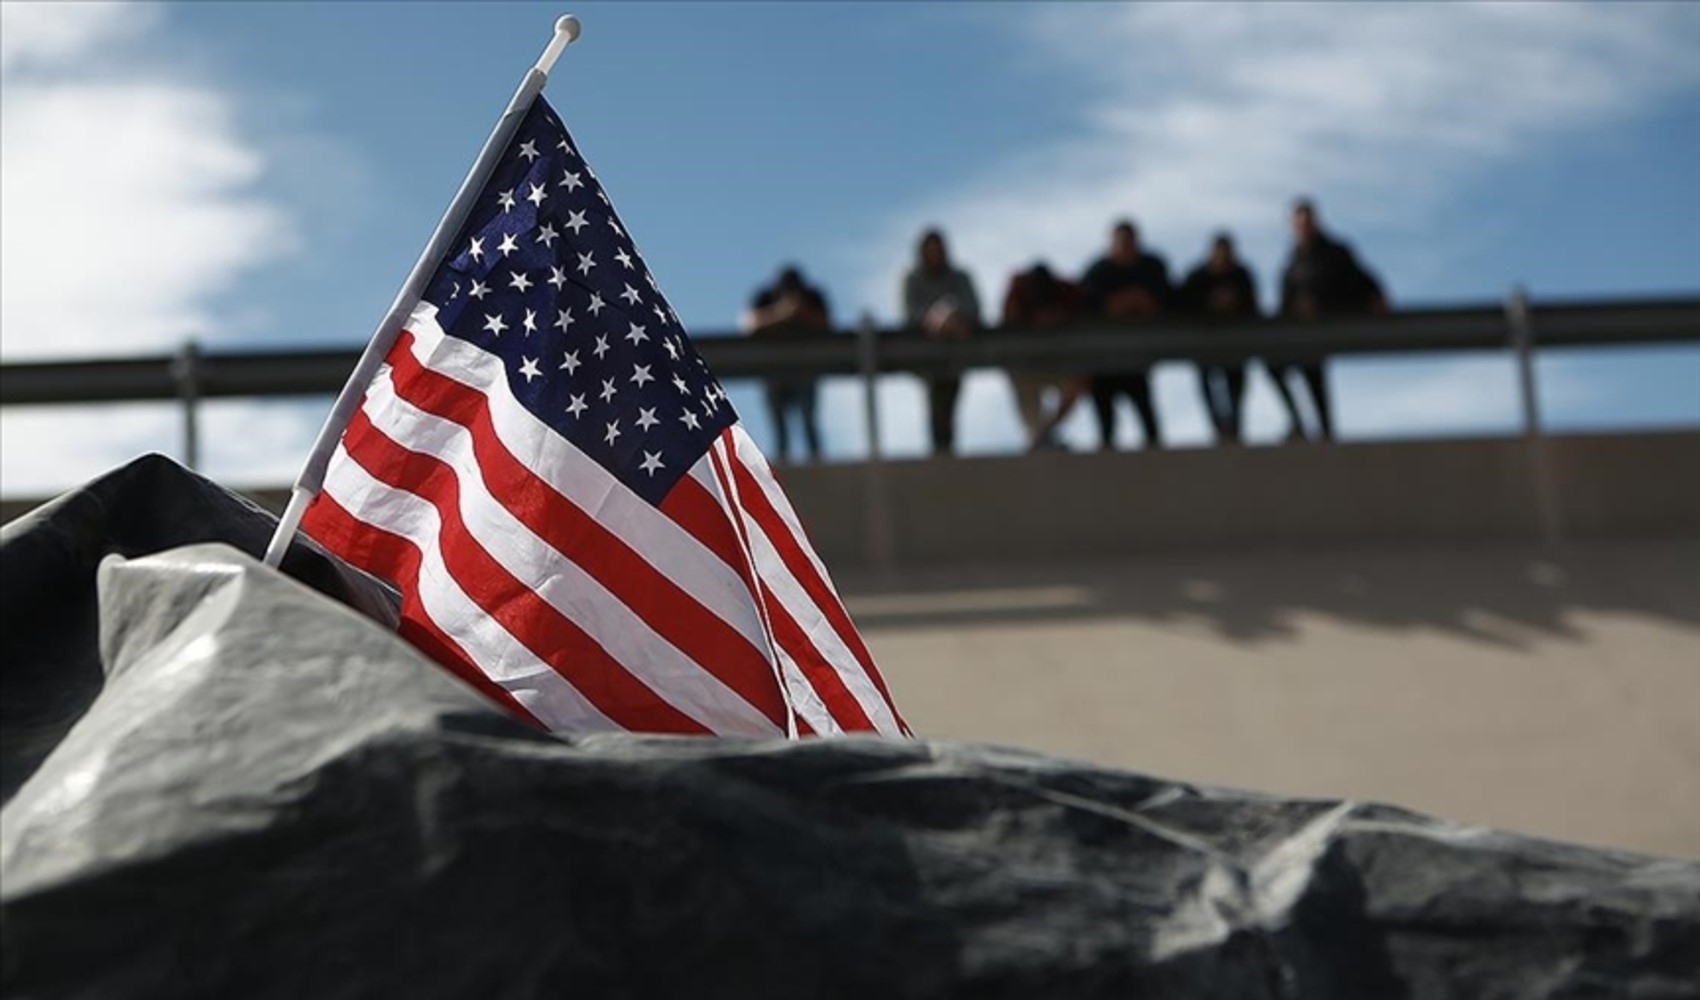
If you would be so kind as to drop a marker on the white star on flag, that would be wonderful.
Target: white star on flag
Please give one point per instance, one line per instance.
(577, 405)
(529, 150)
(519, 281)
(586, 261)
(547, 236)
(613, 431)
(570, 362)
(536, 196)
(575, 222)
(506, 198)
(508, 245)
(651, 462)
(529, 369)
(494, 324)
(641, 375)
(646, 418)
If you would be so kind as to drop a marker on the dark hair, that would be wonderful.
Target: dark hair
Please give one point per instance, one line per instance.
(929, 234)
(1223, 238)
(1127, 224)
(1043, 281)
(1304, 204)
(790, 276)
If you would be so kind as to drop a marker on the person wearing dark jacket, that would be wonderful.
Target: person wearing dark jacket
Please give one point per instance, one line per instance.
(790, 308)
(1323, 280)
(1126, 286)
(1039, 300)
(1221, 290)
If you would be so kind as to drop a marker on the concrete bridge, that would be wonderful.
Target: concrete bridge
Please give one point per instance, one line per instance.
(1499, 630)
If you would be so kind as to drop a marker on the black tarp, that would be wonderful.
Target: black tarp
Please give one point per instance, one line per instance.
(223, 783)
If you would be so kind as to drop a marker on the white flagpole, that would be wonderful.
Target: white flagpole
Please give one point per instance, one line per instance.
(312, 476)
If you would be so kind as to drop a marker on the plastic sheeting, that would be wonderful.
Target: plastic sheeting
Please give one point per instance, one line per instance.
(221, 782)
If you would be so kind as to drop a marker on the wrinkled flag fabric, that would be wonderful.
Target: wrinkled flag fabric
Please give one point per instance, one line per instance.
(577, 522)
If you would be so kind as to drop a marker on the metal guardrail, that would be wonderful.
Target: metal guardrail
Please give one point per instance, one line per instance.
(1083, 349)
(1517, 325)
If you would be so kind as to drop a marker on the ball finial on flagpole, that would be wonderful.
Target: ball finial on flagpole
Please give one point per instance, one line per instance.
(567, 30)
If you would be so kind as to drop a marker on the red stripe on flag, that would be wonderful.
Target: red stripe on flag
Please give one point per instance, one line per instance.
(668, 609)
(741, 561)
(551, 636)
(397, 560)
(755, 502)
(821, 674)
(698, 512)
(787, 634)
(691, 506)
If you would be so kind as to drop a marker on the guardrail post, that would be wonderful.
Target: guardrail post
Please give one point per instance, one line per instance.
(1535, 443)
(186, 373)
(877, 538)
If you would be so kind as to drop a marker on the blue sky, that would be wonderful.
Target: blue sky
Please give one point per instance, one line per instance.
(267, 173)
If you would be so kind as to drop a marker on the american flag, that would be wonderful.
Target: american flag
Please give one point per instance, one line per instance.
(577, 522)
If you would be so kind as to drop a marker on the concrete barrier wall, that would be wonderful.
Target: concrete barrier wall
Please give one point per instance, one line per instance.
(1070, 507)
(1064, 507)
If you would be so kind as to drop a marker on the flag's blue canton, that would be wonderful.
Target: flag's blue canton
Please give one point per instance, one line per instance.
(544, 276)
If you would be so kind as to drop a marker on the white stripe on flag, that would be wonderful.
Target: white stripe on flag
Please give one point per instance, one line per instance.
(753, 460)
(703, 474)
(534, 684)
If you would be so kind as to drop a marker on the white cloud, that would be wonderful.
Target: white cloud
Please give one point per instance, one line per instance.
(1460, 395)
(54, 34)
(259, 442)
(43, 450)
(129, 202)
(243, 443)
(1212, 115)
(128, 197)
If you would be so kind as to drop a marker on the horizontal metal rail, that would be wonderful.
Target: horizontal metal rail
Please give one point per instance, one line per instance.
(1516, 326)
(1083, 349)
